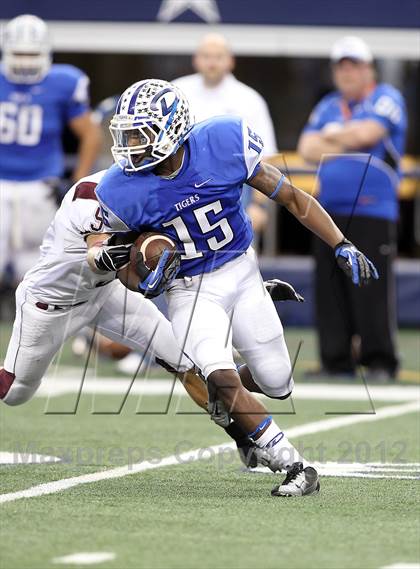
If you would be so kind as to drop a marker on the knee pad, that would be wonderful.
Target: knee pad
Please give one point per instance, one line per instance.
(6, 380)
(275, 381)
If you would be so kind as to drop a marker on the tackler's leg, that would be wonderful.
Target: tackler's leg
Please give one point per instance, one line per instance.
(129, 318)
(36, 337)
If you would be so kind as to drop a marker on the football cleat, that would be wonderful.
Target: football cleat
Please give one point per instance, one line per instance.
(298, 482)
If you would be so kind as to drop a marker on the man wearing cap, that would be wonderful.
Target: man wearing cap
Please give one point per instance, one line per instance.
(357, 135)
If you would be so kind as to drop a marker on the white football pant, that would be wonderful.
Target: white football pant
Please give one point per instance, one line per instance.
(230, 306)
(26, 210)
(118, 313)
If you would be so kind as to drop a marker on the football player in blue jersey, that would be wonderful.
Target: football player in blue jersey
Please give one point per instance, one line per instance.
(185, 180)
(37, 100)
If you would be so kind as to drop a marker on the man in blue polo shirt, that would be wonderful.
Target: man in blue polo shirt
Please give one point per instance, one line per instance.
(357, 134)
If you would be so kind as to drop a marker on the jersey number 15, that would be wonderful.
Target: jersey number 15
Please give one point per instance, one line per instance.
(201, 216)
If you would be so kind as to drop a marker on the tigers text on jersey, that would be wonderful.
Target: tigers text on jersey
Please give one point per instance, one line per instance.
(32, 118)
(200, 208)
(369, 176)
(62, 275)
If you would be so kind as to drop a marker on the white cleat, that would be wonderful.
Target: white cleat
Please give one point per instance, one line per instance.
(130, 364)
(298, 482)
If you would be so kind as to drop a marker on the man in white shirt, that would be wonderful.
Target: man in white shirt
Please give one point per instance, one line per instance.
(213, 90)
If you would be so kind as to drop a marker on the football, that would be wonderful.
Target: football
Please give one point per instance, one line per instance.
(151, 245)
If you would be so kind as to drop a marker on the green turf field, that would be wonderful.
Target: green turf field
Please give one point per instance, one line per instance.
(199, 509)
(301, 339)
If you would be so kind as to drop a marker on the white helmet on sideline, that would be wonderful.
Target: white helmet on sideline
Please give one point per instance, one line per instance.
(151, 121)
(26, 49)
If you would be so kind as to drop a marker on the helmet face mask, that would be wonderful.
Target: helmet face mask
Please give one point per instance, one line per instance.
(26, 50)
(151, 122)
(134, 147)
(26, 68)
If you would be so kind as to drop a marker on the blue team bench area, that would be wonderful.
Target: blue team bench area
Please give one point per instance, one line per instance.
(299, 271)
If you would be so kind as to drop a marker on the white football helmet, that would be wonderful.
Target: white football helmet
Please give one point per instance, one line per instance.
(26, 50)
(152, 120)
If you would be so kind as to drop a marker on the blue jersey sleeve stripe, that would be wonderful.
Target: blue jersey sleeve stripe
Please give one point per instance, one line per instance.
(277, 188)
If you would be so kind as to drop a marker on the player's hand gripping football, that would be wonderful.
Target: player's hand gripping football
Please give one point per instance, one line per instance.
(112, 257)
(154, 282)
(354, 263)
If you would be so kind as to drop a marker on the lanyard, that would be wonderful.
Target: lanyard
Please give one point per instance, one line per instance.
(345, 109)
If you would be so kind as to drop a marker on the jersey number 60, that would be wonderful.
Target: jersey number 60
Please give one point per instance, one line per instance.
(20, 124)
(205, 226)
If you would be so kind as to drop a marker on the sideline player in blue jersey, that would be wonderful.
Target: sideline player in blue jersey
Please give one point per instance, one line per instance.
(186, 181)
(357, 133)
(37, 100)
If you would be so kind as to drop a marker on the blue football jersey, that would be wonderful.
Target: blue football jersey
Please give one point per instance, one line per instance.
(366, 180)
(32, 118)
(201, 207)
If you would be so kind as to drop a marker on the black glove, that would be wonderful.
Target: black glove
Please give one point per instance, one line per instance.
(122, 238)
(354, 263)
(112, 257)
(281, 290)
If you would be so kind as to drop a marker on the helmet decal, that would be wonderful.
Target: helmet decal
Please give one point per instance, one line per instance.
(165, 109)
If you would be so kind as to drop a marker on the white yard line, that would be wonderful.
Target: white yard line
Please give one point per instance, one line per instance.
(202, 454)
(346, 420)
(88, 558)
(61, 385)
(403, 566)
(398, 471)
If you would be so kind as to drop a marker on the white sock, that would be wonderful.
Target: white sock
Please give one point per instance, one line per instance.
(282, 454)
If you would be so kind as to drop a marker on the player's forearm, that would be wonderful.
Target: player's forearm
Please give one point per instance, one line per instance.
(313, 146)
(304, 207)
(89, 147)
(94, 243)
(313, 216)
